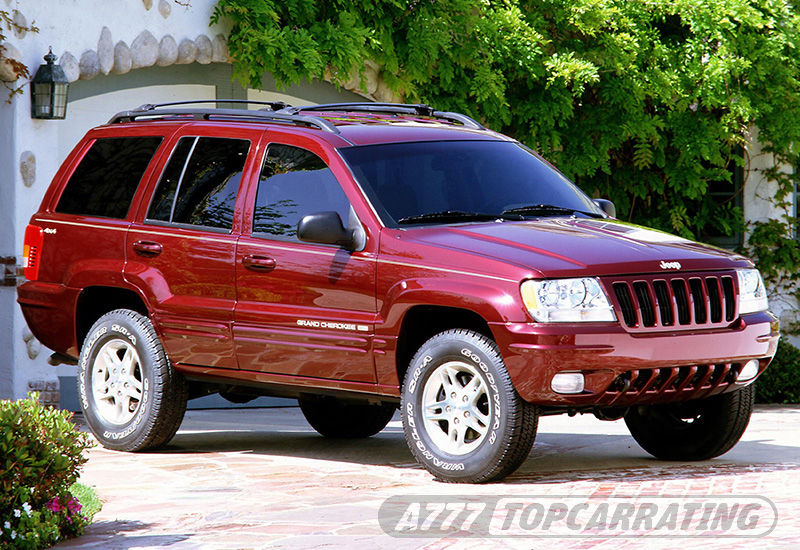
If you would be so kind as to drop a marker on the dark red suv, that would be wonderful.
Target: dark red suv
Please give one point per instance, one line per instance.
(358, 257)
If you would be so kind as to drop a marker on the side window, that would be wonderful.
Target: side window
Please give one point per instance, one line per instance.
(164, 198)
(295, 182)
(200, 182)
(107, 177)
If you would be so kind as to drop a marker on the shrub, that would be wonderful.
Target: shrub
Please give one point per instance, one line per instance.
(41, 453)
(780, 383)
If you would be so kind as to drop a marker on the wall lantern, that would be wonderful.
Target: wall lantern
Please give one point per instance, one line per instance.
(49, 90)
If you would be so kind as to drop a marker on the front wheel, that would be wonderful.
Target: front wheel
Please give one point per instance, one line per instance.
(694, 430)
(462, 417)
(131, 397)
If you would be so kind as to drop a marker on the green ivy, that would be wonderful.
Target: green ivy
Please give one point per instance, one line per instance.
(647, 103)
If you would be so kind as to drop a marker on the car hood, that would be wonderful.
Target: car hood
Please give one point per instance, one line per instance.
(561, 247)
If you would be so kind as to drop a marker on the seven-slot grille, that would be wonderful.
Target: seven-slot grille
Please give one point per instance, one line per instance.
(675, 302)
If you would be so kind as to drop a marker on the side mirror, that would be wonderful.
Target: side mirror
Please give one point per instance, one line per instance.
(325, 228)
(606, 206)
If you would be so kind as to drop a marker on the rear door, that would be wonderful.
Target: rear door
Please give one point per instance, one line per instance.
(305, 310)
(182, 250)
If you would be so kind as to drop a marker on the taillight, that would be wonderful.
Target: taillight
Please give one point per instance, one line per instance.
(31, 251)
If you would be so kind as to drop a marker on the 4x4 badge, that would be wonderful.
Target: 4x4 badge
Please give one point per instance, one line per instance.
(670, 265)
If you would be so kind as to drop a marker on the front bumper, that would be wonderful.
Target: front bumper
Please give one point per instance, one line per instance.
(623, 369)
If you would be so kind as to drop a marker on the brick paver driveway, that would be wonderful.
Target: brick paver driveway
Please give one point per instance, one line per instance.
(261, 478)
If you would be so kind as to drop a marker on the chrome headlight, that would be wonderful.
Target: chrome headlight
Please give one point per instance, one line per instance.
(567, 300)
(752, 292)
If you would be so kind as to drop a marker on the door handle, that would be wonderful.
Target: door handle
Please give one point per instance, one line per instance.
(147, 248)
(261, 264)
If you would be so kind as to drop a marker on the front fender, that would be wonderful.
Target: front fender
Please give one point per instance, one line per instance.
(495, 302)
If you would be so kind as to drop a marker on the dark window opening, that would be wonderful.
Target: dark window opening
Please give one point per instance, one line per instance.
(408, 180)
(164, 198)
(107, 177)
(295, 182)
(200, 183)
(727, 194)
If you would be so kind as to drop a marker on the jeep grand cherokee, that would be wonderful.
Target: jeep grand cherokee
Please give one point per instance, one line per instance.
(361, 257)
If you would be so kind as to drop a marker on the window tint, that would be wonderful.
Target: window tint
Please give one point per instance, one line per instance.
(200, 182)
(164, 198)
(294, 183)
(412, 179)
(107, 177)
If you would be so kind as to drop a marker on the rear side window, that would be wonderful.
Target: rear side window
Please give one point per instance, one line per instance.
(107, 177)
(200, 182)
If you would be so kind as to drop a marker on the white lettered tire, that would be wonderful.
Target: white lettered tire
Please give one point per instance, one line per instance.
(694, 430)
(462, 417)
(131, 398)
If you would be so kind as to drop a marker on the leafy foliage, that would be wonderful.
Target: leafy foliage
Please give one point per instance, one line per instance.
(780, 383)
(41, 453)
(647, 103)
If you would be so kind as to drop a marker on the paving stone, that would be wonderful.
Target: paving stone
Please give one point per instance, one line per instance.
(262, 479)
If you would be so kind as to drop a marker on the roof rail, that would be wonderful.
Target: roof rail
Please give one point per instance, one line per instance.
(273, 105)
(390, 108)
(165, 110)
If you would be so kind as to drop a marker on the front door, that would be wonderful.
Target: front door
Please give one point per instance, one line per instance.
(303, 309)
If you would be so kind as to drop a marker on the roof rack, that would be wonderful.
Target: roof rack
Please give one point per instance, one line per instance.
(149, 110)
(278, 111)
(419, 109)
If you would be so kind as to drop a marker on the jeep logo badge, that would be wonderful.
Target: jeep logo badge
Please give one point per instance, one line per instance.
(670, 265)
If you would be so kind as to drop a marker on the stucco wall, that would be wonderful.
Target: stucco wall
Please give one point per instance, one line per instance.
(117, 56)
(758, 191)
(7, 246)
(759, 206)
(76, 26)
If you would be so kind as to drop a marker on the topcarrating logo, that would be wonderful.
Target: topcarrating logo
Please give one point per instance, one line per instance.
(739, 516)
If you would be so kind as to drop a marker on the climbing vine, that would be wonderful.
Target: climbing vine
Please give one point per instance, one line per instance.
(649, 103)
(17, 68)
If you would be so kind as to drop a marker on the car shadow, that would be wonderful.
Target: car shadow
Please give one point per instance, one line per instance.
(384, 449)
(555, 457)
(121, 535)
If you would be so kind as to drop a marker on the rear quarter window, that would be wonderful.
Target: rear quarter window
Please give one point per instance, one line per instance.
(107, 177)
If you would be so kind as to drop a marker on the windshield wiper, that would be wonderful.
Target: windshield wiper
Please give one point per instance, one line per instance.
(510, 214)
(448, 215)
(545, 209)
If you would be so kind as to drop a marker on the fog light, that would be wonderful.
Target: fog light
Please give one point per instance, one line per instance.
(749, 371)
(567, 382)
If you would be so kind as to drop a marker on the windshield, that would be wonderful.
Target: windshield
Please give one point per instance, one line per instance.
(458, 181)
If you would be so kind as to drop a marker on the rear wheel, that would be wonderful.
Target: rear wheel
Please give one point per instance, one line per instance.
(694, 430)
(462, 417)
(131, 397)
(342, 420)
